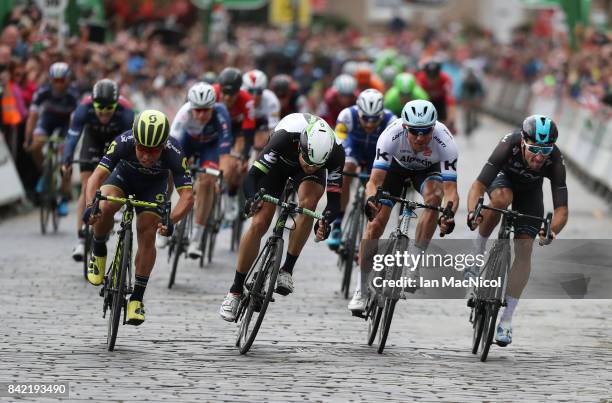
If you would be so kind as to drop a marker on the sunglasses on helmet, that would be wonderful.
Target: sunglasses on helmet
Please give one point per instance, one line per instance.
(418, 131)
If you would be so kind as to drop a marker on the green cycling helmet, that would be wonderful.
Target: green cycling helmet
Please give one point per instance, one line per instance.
(151, 128)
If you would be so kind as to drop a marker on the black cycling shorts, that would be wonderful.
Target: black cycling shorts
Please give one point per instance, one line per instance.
(526, 199)
(93, 147)
(150, 189)
(398, 178)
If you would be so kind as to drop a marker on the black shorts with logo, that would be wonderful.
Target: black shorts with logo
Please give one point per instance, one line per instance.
(526, 199)
(150, 189)
(398, 178)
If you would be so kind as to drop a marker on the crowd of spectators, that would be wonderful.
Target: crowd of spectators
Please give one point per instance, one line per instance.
(155, 61)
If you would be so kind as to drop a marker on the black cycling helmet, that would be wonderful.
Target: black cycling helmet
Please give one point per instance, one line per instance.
(105, 92)
(280, 85)
(230, 80)
(209, 77)
(432, 68)
(539, 129)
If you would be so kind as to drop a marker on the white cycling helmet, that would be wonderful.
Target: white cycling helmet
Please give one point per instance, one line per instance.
(345, 84)
(201, 95)
(370, 102)
(59, 70)
(419, 114)
(254, 79)
(317, 141)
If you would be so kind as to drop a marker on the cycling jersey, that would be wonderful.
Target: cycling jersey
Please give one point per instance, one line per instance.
(54, 109)
(360, 147)
(439, 91)
(508, 157)
(393, 145)
(330, 108)
(121, 153)
(213, 139)
(393, 98)
(184, 121)
(242, 113)
(268, 111)
(279, 160)
(97, 134)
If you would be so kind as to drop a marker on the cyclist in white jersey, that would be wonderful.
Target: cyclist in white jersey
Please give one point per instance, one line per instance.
(267, 106)
(419, 148)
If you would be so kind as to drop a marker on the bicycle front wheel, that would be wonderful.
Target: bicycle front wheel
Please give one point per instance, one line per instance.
(260, 294)
(387, 317)
(478, 326)
(178, 248)
(374, 315)
(117, 281)
(490, 319)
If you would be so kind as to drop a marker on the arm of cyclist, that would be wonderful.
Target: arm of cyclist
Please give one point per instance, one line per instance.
(322, 228)
(96, 180)
(559, 195)
(372, 207)
(184, 204)
(30, 124)
(74, 134)
(447, 223)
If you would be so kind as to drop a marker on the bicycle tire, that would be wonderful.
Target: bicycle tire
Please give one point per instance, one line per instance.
(214, 225)
(269, 266)
(87, 241)
(203, 244)
(118, 300)
(387, 317)
(490, 319)
(179, 246)
(45, 196)
(348, 252)
(374, 315)
(478, 327)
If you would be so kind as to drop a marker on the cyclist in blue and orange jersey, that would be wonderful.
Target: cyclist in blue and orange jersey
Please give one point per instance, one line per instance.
(359, 127)
(99, 118)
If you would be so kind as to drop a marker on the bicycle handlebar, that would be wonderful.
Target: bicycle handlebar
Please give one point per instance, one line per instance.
(514, 214)
(382, 194)
(165, 206)
(208, 171)
(261, 195)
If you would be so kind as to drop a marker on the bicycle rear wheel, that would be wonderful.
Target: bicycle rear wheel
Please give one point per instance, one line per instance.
(260, 293)
(478, 326)
(178, 248)
(374, 315)
(118, 288)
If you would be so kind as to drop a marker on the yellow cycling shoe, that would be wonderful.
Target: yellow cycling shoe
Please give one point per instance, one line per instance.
(135, 313)
(95, 269)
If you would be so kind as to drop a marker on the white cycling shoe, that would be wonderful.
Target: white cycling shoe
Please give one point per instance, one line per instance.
(358, 302)
(229, 307)
(78, 251)
(194, 250)
(284, 283)
(503, 335)
(161, 241)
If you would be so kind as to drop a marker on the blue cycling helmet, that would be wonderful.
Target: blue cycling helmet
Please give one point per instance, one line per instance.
(539, 130)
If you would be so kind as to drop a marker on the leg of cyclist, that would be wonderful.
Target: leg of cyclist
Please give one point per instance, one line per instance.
(101, 229)
(65, 188)
(79, 249)
(39, 139)
(146, 227)
(527, 202)
(336, 234)
(205, 189)
(431, 190)
(309, 193)
(247, 252)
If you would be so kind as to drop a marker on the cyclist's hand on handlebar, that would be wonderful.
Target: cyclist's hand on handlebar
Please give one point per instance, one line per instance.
(447, 225)
(546, 241)
(322, 230)
(473, 222)
(371, 208)
(89, 217)
(165, 230)
(252, 206)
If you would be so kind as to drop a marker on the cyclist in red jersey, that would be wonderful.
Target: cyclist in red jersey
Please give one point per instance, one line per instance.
(241, 107)
(342, 94)
(287, 92)
(439, 87)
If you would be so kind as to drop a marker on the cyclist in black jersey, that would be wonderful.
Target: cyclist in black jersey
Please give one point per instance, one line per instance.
(99, 118)
(137, 163)
(302, 147)
(514, 174)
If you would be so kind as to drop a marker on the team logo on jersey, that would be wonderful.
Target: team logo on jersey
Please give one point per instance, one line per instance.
(271, 157)
(383, 155)
(448, 165)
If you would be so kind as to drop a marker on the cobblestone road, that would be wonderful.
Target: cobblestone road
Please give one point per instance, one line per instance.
(309, 348)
